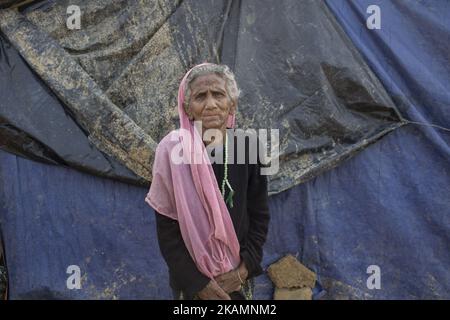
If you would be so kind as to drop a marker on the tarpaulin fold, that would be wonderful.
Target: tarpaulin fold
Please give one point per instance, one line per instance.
(35, 124)
(119, 73)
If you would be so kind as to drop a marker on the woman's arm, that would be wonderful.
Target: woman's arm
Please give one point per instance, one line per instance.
(258, 212)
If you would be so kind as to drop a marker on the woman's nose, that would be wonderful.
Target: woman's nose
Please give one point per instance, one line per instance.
(210, 103)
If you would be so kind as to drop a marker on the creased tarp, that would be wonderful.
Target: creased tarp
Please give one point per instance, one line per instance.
(414, 65)
(300, 74)
(119, 73)
(387, 206)
(34, 123)
(54, 217)
(365, 212)
(118, 134)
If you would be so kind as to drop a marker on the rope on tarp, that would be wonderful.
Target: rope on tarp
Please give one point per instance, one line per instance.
(427, 125)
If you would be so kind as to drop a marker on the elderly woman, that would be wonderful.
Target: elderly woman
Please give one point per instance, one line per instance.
(212, 217)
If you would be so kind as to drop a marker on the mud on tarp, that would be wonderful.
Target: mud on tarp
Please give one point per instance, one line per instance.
(118, 74)
(387, 205)
(35, 124)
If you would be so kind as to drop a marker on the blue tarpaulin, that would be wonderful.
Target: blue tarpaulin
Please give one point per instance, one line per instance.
(387, 206)
(409, 182)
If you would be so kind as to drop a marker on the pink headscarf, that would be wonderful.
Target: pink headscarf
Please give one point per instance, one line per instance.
(190, 194)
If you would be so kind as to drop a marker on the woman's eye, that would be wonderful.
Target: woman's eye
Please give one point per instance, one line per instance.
(218, 94)
(200, 97)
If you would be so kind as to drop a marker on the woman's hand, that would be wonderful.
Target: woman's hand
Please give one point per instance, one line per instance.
(232, 280)
(243, 272)
(213, 291)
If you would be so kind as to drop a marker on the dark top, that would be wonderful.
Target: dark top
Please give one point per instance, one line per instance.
(250, 216)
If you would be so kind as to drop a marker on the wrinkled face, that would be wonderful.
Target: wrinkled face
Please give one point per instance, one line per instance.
(209, 101)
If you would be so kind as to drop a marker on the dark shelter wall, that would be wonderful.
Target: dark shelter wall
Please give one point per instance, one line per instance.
(118, 75)
(35, 124)
(386, 206)
(302, 75)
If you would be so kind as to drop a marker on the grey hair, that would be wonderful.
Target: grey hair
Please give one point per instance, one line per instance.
(221, 70)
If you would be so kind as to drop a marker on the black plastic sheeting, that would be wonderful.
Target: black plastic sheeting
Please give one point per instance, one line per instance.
(297, 70)
(35, 124)
(301, 74)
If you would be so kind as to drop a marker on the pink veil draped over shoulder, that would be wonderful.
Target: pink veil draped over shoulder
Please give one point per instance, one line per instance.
(189, 193)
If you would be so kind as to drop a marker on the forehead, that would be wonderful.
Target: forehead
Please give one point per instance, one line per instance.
(208, 80)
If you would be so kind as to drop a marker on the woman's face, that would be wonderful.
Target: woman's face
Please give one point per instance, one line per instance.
(209, 101)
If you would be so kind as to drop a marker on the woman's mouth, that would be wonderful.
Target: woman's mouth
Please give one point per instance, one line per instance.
(211, 117)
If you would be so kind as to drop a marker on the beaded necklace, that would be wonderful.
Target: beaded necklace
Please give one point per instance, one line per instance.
(225, 182)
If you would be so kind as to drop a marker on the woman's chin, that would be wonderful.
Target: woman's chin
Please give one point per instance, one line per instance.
(215, 124)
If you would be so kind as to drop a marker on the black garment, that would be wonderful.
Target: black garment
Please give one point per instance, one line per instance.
(250, 216)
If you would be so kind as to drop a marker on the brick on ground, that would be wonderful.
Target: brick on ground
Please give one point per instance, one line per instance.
(293, 294)
(288, 272)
